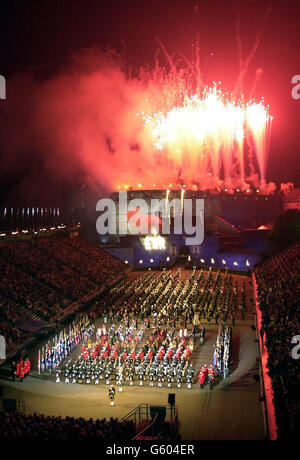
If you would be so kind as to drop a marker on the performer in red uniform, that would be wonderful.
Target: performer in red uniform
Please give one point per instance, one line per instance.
(211, 371)
(27, 366)
(133, 355)
(204, 369)
(105, 354)
(21, 373)
(25, 369)
(201, 378)
(85, 354)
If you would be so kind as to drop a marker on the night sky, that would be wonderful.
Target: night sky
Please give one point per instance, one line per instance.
(39, 36)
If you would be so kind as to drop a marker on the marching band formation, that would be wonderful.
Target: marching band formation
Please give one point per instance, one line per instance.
(148, 334)
(117, 354)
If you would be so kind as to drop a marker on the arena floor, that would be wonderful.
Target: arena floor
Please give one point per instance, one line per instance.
(230, 411)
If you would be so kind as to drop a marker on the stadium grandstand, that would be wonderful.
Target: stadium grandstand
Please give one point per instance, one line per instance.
(149, 223)
(80, 316)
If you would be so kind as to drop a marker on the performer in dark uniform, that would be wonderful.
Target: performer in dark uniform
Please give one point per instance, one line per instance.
(88, 375)
(96, 382)
(57, 375)
(13, 370)
(190, 376)
(119, 378)
(160, 375)
(111, 395)
(179, 375)
(141, 374)
(130, 375)
(74, 374)
(108, 372)
(151, 376)
(100, 370)
(169, 374)
(93, 371)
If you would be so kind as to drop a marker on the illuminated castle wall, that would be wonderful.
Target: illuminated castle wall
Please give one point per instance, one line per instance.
(228, 242)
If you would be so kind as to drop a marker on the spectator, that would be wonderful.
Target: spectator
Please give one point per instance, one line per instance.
(278, 289)
(32, 427)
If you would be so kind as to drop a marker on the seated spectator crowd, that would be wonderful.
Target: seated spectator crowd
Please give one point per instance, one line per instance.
(31, 427)
(278, 291)
(40, 277)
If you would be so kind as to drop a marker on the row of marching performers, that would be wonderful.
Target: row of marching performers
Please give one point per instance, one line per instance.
(222, 350)
(170, 362)
(156, 373)
(20, 369)
(60, 347)
(207, 376)
(121, 347)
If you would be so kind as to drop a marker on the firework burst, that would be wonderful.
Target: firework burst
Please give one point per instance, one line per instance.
(205, 138)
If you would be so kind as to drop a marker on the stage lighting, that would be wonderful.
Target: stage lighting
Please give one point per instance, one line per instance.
(154, 242)
(141, 261)
(235, 263)
(126, 261)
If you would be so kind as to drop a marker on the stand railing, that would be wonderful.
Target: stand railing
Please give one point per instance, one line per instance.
(266, 382)
(143, 413)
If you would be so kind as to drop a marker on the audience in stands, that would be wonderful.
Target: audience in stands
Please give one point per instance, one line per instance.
(40, 277)
(31, 427)
(278, 283)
